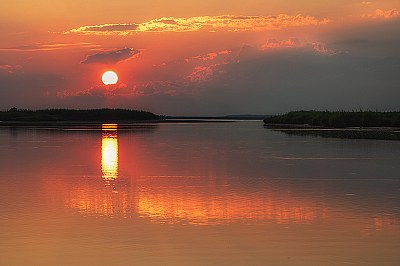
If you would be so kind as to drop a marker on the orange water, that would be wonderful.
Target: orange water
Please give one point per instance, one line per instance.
(196, 194)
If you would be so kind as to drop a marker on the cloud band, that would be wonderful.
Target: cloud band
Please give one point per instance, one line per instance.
(110, 57)
(231, 23)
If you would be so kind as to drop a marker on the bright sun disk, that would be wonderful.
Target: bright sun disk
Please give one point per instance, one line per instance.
(109, 78)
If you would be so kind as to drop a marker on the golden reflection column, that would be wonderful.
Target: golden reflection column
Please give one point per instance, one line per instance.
(109, 152)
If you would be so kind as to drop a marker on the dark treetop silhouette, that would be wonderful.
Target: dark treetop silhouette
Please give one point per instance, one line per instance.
(338, 119)
(94, 115)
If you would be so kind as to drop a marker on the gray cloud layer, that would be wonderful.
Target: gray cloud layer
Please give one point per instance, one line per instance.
(111, 57)
(270, 82)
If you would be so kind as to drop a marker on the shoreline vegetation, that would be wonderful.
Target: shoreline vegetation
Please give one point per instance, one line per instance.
(340, 124)
(72, 115)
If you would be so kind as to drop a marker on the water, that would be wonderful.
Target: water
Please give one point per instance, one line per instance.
(196, 194)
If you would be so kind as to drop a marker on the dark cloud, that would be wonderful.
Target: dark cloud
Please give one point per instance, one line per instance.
(110, 57)
(167, 21)
(113, 27)
(105, 28)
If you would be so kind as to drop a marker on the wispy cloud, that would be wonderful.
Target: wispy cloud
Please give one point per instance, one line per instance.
(110, 57)
(274, 43)
(211, 67)
(203, 73)
(103, 91)
(10, 69)
(209, 56)
(211, 23)
(317, 47)
(384, 14)
(122, 90)
(50, 47)
(106, 27)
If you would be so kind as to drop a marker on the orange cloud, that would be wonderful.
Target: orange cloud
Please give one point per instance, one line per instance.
(50, 47)
(209, 56)
(225, 52)
(206, 73)
(10, 69)
(317, 47)
(384, 14)
(124, 90)
(101, 91)
(273, 43)
(201, 73)
(211, 23)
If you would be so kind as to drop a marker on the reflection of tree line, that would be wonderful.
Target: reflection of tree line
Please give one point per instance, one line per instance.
(344, 134)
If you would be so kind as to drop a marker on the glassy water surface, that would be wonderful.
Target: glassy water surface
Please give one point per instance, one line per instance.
(196, 194)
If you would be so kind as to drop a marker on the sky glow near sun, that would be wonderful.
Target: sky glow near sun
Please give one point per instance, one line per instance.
(208, 58)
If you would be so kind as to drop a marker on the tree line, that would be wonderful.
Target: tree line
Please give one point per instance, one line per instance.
(96, 115)
(338, 119)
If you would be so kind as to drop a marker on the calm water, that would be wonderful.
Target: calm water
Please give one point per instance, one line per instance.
(196, 194)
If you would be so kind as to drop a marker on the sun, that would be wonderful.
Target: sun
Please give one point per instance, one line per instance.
(109, 77)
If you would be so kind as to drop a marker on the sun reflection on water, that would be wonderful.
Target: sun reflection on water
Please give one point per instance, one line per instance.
(109, 152)
(160, 196)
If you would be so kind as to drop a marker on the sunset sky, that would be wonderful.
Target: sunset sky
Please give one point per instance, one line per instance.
(201, 57)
